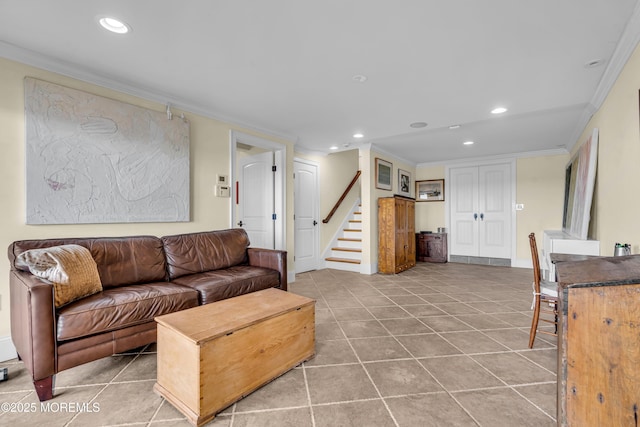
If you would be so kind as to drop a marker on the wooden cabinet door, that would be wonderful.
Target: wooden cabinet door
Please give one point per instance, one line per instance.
(386, 235)
(401, 235)
(410, 233)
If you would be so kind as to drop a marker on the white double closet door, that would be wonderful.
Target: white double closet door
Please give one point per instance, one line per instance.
(481, 210)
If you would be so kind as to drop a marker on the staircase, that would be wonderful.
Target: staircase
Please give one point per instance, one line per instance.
(346, 254)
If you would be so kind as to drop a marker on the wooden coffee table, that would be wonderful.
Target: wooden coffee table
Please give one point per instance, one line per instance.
(213, 355)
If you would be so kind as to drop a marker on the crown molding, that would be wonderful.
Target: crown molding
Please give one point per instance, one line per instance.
(583, 121)
(525, 154)
(624, 49)
(303, 150)
(393, 156)
(55, 65)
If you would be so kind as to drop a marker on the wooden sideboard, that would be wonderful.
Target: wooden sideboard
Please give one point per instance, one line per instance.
(431, 247)
(599, 342)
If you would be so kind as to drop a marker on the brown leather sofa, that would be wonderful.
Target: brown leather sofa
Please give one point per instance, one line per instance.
(142, 277)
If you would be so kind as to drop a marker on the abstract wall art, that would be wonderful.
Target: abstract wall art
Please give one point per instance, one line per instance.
(91, 159)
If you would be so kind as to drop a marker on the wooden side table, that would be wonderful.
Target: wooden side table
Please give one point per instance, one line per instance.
(431, 247)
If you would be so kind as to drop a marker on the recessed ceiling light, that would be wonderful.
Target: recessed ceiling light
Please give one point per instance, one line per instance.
(594, 63)
(418, 125)
(468, 143)
(358, 135)
(333, 147)
(359, 78)
(498, 110)
(114, 25)
(452, 127)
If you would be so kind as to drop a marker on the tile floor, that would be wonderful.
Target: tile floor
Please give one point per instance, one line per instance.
(438, 345)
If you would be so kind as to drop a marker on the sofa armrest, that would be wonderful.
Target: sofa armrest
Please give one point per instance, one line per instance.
(33, 324)
(270, 258)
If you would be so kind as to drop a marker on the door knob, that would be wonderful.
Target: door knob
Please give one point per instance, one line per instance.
(482, 216)
(475, 216)
(240, 223)
(315, 222)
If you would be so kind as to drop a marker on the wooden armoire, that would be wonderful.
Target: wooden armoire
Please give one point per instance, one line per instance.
(396, 234)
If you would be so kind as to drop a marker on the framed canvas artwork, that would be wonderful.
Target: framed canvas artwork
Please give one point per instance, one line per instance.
(404, 183)
(383, 174)
(431, 190)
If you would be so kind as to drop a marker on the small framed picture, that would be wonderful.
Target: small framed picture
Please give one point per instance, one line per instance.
(404, 183)
(431, 190)
(383, 174)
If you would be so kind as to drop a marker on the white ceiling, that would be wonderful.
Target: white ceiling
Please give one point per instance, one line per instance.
(286, 67)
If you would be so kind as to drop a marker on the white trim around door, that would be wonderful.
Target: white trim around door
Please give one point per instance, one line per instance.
(306, 214)
(512, 194)
(280, 199)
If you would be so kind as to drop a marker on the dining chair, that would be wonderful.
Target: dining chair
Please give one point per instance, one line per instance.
(545, 297)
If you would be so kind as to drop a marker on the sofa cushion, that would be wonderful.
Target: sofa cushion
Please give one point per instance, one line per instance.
(199, 252)
(70, 268)
(230, 282)
(121, 261)
(118, 308)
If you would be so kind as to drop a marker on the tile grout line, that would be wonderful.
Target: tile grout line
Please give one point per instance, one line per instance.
(436, 379)
(393, 418)
(105, 387)
(337, 286)
(306, 385)
(507, 349)
(304, 373)
(518, 352)
(416, 360)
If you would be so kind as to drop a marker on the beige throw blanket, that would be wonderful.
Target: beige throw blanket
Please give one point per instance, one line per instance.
(70, 268)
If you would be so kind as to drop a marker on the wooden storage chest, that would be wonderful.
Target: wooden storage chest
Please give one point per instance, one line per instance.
(211, 356)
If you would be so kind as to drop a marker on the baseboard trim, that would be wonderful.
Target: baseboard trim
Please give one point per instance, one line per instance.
(7, 350)
(464, 259)
(369, 268)
(523, 263)
(291, 276)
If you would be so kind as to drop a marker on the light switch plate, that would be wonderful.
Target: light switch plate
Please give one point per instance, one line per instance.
(222, 179)
(222, 191)
(519, 206)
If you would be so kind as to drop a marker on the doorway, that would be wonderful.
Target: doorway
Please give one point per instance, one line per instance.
(261, 209)
(481, 213)
(306, 215)
(254, 193)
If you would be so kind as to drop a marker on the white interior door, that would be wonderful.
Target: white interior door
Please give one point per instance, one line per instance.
(306, 213)
(495, 211)
(256, 199)
(481, 210)
(464, 211)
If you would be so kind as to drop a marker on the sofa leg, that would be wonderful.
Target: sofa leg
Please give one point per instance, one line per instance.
(44, 388)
